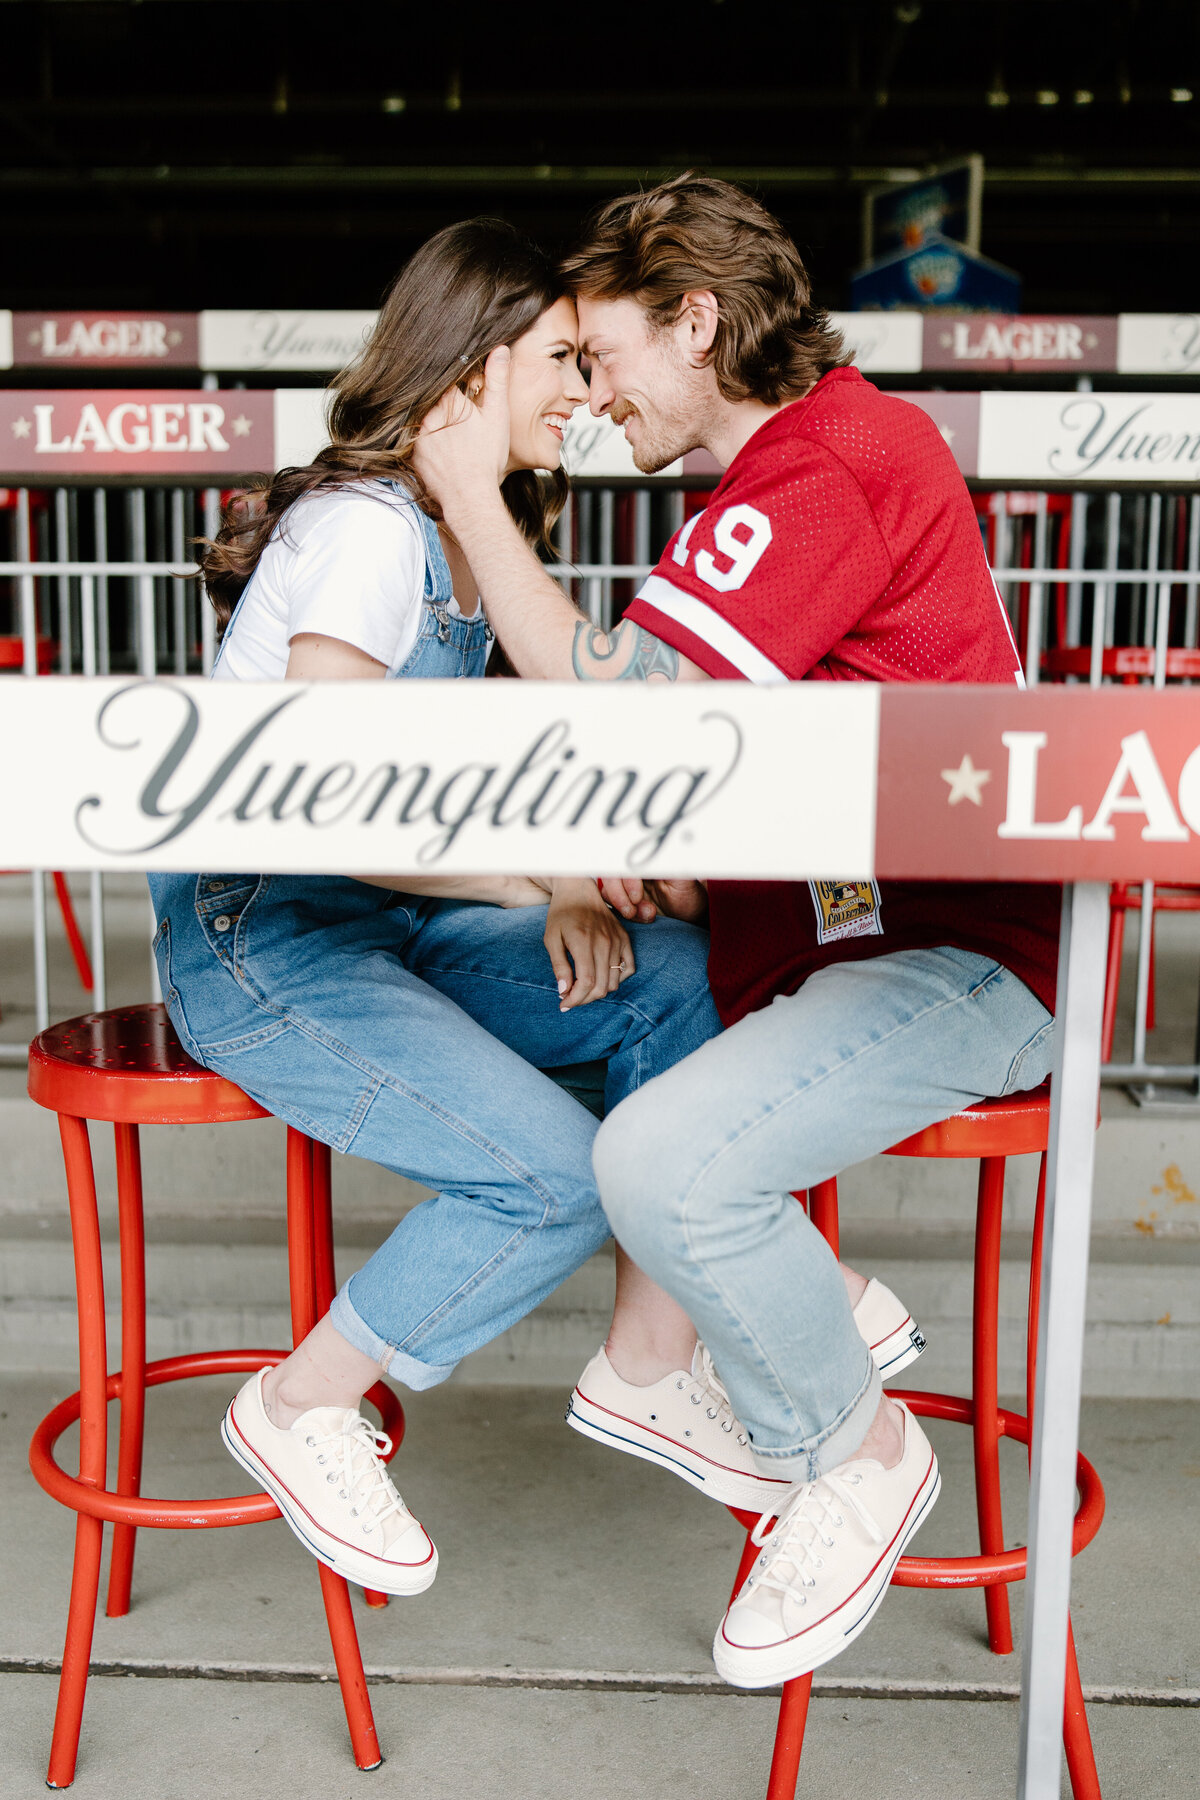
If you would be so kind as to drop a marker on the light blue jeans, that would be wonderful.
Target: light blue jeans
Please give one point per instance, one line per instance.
(696, 1171)
(413, 1033)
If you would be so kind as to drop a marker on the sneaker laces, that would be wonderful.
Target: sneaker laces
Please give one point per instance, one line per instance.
(358, 1452)
(792, 1539)
(704, 1384)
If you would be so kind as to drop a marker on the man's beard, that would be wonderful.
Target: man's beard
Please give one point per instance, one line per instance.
(658, 444)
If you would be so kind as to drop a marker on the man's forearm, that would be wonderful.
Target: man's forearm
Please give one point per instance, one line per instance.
(528, 611)
(545, 637)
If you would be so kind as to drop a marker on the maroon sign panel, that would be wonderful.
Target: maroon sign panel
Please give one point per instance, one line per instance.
(135, 432)
(979, 784)
(92, 340)
(1017, 344)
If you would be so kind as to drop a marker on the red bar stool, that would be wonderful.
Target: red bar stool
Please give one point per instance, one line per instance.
(128, 1068)
(1126, 896)
(991, 1132)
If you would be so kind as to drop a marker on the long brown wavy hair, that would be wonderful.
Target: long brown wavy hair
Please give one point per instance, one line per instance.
(472, 287)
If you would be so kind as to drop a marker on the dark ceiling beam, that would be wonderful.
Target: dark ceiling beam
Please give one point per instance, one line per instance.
(521, 176)
(398, 104)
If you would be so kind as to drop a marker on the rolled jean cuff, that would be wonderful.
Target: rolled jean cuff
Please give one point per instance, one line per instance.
(833, 1446)
(354, 1328)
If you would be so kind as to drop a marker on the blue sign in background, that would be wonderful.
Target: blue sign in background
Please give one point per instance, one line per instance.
(901, 218)
(936, 273)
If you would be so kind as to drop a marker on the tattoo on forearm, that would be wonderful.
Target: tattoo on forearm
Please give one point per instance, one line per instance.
(628, 653)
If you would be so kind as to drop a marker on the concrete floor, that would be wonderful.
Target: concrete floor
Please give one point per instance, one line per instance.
(564, 1649)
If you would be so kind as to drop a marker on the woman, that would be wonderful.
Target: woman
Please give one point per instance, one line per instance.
(407, 1020)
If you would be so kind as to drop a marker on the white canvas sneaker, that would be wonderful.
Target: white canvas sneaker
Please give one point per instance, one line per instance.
(895, 1338)
(683, 1423)
(327, 1477)
(826, 1563)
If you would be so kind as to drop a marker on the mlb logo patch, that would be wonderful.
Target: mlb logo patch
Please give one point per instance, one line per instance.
(846, 909)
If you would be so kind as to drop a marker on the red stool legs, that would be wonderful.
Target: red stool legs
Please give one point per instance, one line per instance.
(79, 955)
(789, 1739)
(304, 1234)
(324, 1275)
(821, 1203)
(133, 1358)
(1077, 1738)
(93, 1448)
(984, 1397)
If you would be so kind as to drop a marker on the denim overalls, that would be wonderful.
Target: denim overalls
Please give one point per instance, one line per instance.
(413, 1032)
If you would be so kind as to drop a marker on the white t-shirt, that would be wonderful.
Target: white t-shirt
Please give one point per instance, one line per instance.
(346, 562)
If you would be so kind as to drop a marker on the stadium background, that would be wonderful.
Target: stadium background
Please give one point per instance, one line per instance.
(219, 153)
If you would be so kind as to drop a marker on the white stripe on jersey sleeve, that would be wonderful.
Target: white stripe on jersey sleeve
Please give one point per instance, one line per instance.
(711, 628)
(1019, 677)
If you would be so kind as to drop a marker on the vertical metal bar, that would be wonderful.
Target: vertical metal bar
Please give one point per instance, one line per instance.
(62, 550)
(156, 541)
(1138, 589)
(1104, 592)
(143, 584)
(1083, 941)
(41, 968)
(208, 618)
(1193, 563)
(1075, 557)
(1110, 627)
(26, 591)
(87, 622)
(675, 511)
(100, 551)
(29, 637)
(641, 527)
(146, 650)
(1142, 1002)
(96, 916)
(179, 589)
(1153, 535)
(1037, 599)
(606, 512)
(87, 632)
(1162, 633)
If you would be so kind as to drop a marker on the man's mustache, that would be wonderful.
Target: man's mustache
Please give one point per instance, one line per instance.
(620, 411)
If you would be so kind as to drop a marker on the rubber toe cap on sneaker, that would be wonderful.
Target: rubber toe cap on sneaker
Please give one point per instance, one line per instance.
(748, 1629)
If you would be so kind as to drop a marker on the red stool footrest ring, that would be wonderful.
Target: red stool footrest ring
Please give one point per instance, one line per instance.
(175, 1515)
(1009, 1565)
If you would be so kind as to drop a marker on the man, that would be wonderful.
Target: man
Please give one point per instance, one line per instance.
(839, 545)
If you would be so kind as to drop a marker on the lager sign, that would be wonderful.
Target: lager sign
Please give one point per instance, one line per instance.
(115, 340)
(135, 432)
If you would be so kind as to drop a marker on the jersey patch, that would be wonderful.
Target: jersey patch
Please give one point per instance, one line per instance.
(846, 909)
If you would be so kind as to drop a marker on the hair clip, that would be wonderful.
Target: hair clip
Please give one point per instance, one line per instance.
(464, 359)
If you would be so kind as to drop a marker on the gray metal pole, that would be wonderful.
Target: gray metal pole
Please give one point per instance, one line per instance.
(1076, 1086)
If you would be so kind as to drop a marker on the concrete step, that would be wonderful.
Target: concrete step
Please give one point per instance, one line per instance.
(219, 1282)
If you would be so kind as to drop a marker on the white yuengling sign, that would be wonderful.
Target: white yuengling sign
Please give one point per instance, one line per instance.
(1090, 437)
(706, 778)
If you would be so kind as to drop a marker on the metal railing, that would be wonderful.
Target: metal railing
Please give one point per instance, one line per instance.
(101, 581)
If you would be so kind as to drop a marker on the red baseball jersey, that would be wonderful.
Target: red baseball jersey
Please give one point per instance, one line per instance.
(841, 545)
